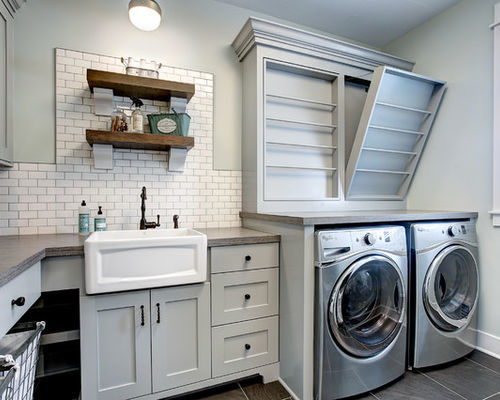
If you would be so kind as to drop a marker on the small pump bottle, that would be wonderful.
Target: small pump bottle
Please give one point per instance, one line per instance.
(100, 221)
(83, 219)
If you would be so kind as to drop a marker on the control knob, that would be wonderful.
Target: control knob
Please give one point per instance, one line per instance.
(453, 230)
(370, 239)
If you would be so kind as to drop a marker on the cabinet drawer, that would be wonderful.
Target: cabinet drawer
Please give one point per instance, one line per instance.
(238, 296)
(245, 257)
(244, 345)
(27, 285)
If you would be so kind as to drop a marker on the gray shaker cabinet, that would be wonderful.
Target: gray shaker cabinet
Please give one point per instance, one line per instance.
(143, 342)
(180, 325)
(6, 79)
(115, 345)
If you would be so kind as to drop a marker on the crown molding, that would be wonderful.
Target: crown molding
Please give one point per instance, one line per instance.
(13, 5)
(257, 31)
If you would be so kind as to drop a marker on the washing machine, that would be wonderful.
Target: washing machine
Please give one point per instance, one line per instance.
(360, 309)
(444, 292)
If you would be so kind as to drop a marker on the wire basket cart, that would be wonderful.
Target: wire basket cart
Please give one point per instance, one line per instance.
(18, 359)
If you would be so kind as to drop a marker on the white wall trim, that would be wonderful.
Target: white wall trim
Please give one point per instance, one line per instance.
(290, 391)
(488, 343)
(268, 33)
(496, 118)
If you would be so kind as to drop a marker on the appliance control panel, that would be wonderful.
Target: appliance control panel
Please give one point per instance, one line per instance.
(332, 244)
(428, 234)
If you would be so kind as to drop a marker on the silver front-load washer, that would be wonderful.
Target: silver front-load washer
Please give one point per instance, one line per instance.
(445, 288)
(360, 307)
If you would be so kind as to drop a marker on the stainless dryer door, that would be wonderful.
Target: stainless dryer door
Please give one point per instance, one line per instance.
(367, 306)
(450, 289)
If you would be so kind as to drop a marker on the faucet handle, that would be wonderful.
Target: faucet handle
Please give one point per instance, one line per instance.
(158, 220)
(176, 221)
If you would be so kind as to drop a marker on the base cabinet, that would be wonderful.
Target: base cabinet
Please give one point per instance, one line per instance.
(115, 346)
(180, 336)
(138, 343)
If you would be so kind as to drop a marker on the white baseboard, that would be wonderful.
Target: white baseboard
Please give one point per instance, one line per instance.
(488, 343)
(292, 394)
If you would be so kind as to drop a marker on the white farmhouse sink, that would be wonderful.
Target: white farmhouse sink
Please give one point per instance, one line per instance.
(128, 260)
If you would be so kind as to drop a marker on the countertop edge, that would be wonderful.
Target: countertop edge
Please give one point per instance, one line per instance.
(244, 240)
(390, 216)
(18, 269)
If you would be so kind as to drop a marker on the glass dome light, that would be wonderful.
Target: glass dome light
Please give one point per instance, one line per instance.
(144, 14)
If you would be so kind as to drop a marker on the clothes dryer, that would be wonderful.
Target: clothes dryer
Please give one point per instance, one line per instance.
(444, 292)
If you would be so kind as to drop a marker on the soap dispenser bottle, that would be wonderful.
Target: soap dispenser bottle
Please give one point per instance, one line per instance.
(100, 221)
(137, 115)
(83, 219)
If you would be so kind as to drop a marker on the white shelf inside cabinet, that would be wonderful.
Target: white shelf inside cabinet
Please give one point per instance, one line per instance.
(301, 157)
(300, 100)
(395, 123)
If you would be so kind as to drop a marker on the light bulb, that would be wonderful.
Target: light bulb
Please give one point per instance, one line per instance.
(144, 14)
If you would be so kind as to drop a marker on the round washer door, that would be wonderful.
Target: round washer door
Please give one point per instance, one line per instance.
(451, 288)
(367, 306)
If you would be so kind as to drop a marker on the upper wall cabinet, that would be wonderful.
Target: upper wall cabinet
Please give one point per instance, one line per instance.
(301, 140)
(6, 89)
(303, 95)
(396, 120)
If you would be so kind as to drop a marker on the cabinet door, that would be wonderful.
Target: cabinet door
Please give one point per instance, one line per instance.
(115, 345)
(6, 46)
(180, 319)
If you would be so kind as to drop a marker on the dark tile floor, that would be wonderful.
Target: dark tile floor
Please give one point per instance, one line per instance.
(476, 377)
(249, 389)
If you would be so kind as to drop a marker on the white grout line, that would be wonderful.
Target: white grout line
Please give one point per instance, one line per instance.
(244, 394)
(482, 365)
(489, 397)
(378, 398)
(440, 384)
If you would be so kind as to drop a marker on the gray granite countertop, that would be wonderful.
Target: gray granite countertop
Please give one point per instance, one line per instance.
(17, 253)
(358, 217)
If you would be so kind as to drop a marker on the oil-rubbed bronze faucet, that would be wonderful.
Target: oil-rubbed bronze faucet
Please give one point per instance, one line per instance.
(143, 223)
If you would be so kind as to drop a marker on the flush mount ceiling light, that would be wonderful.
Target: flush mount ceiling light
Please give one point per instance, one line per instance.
(144, 14)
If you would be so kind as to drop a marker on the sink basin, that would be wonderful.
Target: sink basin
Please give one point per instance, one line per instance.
(128, 260)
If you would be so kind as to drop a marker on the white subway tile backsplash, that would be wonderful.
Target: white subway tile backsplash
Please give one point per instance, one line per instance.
(44, 198)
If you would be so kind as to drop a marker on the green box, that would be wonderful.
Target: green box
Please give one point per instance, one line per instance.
(169, 124)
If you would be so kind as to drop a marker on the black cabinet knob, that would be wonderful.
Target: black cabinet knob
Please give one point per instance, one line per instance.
(247, 297)
(248, 258)
(18, 302)
(247, 347)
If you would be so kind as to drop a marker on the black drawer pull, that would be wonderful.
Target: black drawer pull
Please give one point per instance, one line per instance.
(142, 315)
(18, 302)
(247, 297)
(248, 258)
(157, 313)
(247, 347)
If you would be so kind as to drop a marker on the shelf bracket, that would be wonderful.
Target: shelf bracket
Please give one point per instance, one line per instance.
(103, 156)
(177, 159)
(103, 101)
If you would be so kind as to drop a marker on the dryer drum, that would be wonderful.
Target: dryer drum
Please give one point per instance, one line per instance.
(367, 306)
(450, 288)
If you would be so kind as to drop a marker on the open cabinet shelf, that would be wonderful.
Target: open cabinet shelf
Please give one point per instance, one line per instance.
(145, 141)
(138, 86)
(301, 161)
(397, 117)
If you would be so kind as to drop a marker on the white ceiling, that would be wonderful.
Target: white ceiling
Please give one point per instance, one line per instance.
(374, 22)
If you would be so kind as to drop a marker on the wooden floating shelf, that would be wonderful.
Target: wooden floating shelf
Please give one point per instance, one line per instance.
(138, 86)
(145, 141)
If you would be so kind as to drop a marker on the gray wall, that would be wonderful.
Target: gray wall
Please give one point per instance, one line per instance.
(194, 34)
(455, 171)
